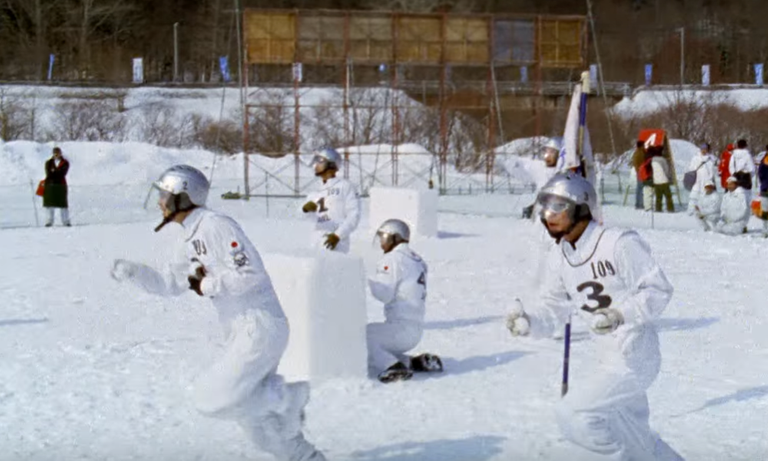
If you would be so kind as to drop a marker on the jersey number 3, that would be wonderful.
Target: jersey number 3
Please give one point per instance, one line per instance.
(594, 294)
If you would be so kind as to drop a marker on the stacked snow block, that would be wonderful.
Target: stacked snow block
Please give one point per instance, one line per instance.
(418, 208)
(323, 296)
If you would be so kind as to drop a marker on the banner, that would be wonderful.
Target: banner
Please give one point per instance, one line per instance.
(51, 59)
(138, 70)
(705, 75)
(648, 74)
(759, 74)
(298, 72)
(524, 74)
(593, 73)
(224, 65)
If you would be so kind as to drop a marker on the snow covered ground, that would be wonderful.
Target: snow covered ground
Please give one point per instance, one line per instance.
(94, 370)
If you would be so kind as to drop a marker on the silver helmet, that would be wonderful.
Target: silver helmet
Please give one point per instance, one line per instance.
(331, 156)
(569, 191)
(555, 143)
(182, 188)
(184, 179)
(396, 228)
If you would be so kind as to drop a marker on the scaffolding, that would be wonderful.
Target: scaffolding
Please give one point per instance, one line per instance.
(429, 79)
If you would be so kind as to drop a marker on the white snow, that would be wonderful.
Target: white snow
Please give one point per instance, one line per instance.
(646, 101)
(91, 369)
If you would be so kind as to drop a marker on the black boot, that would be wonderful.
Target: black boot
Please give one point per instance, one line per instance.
(397, 372)
(426, 363)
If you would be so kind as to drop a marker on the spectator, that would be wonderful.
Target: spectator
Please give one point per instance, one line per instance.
(661, 179)
(638, 158)
(708, 207)
(762, 178)
(734, 210)
(55, 193)
(704, 166)
(742, 167)
(722, 168)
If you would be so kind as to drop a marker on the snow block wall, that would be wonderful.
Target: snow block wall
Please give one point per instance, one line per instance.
(418, 208)
(323, 296)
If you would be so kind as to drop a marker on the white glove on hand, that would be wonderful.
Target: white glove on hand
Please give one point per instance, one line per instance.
(123, 270)
(606, 321)
(517, 320)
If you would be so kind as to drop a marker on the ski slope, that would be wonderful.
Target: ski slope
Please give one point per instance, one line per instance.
(94, 370)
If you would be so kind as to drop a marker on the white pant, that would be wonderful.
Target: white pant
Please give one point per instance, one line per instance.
(609, 418)
(735, 228)
(63, 212)
(389, 341)
(244, 385)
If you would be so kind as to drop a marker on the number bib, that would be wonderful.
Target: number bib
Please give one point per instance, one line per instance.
(594, 283)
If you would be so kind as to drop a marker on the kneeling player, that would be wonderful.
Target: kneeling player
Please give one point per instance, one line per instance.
(401, 284)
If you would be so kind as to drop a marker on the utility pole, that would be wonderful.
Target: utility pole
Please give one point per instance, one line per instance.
(175, 51)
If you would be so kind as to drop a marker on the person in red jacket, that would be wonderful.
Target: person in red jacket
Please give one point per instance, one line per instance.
(722, 168)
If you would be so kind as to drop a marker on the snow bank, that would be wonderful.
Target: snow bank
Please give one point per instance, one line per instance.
(647, 101)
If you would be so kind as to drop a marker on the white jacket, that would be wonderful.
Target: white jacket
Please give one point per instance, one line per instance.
(235, 279)
(338, 208)
(709, 206)
(661, 173)
(704, 166)
(608, 268)
(734, 212)
(741, 160)
(400, 283)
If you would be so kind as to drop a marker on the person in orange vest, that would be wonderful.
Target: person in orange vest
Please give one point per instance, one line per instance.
(722, 168)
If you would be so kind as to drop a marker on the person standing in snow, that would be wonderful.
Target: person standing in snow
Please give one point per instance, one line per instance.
(704, 165)
(56, 191)
(734, 210)
(638, 158)
(217, 261)
(661, 179)
(552, 151)
(707, 209)
(724, 165)
(609, 277)
(742, 167)
(336, 205)
(762, 177)
(400, 283)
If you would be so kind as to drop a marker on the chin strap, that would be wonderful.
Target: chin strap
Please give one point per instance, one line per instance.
(176, 211)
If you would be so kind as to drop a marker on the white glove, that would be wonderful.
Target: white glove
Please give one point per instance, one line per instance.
(517, 320)
(606, 321)
(123, 270)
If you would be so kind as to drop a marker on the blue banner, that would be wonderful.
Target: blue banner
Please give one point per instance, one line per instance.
(51, 59)
(648, 74)
(524, 74)
(705, 75)
(593, 74)
(224, 65)
(759, 74)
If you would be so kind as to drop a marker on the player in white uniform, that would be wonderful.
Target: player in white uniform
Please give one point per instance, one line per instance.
(400, 283)
(217, 261)
(609, 277)
(336, 204)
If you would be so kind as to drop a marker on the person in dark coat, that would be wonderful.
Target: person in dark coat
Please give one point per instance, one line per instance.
(55, 192)
(638, 158)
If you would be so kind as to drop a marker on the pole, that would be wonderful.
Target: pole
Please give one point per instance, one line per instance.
(175, 51)
(243, 112)
(566, 358)
(682, 56)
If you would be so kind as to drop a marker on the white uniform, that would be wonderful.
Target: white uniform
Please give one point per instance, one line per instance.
(742, 161)
(734, 212)
(709, 209)
(401, 284)
(243, 385)
(704, 166)
(338, 212)
(610, 268)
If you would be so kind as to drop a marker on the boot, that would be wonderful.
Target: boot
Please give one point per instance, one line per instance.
(426, 363)
(397, 372)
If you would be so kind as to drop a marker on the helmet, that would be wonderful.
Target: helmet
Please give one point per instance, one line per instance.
(578, 194)
(182, 188)
(185, 180)
(331, 156)
(395, 227)
(555, 143)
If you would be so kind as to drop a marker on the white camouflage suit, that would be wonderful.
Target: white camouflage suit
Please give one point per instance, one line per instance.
(608, 416)
(400, 283)
(243, 384)
(734, 212)
(704, 166)
(709, 210)
(338, 212)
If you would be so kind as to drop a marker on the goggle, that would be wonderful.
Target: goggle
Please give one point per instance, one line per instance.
(316, 160)
(554, 204)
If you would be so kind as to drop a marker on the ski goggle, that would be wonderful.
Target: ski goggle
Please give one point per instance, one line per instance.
(554, 204)
(317, 160)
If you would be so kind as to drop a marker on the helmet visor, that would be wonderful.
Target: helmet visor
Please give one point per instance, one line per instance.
(554, 204)
(317, 160)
